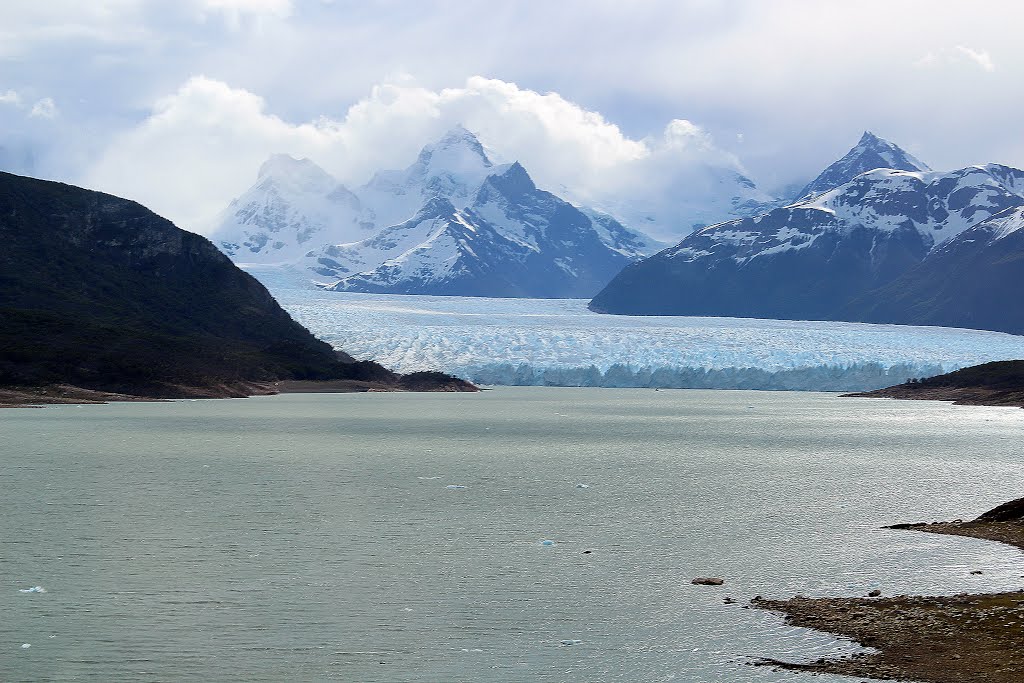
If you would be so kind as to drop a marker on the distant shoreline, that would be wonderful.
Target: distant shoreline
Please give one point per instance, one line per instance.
(65, 394)
(1000, 383)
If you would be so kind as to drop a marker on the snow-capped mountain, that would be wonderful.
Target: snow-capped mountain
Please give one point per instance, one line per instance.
(810, 259)
(294, 205)
(869, 153)
(453, 168)
(452, 222)
(511, 240)
(972, 280)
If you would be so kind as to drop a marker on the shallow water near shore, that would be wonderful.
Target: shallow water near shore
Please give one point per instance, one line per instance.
(310, 537)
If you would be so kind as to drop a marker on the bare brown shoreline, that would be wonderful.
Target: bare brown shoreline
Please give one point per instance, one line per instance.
(932, 639)
(65, 394)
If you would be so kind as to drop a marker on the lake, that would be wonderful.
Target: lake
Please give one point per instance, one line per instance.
(312, 537)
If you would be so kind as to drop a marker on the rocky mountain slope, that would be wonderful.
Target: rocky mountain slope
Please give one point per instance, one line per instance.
(451, 223)
(869, 153)
(971, 280)
(511, 240)
(812, 259)
(98, 292)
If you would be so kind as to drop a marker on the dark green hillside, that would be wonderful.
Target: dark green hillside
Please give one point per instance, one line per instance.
(99, 292)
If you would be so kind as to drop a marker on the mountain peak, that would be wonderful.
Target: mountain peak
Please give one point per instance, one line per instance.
(436, 207)
(869, 138)
(869, 153)
(458, 134)
(278, 165)
(298, 174)
(457, 150)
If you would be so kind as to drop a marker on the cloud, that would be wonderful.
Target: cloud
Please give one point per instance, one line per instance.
(45, 108)
(10, 97)
(235, 12)
(796, 77)
(979, 57)
(957, 55)
(201, 146)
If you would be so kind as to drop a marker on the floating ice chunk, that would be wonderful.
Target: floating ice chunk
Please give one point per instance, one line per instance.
(25, 646)
(33, 589)
(455, 487)
(570, 641)
(428, 478)
(583, 486)
(547, 542)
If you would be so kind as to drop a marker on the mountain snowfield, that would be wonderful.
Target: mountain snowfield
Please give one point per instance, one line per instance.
(293, 206)
(810, 259)
(388, 235)
(559, 342)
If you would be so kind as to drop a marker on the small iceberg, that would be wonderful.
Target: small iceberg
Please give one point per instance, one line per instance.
(583, 486)
(25, 646)
(33, 589)
(455, 487)
(547, 542)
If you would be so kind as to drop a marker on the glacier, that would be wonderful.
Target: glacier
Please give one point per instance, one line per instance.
(558, 342)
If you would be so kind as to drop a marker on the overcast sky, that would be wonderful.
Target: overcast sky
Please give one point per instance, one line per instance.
(177, 103)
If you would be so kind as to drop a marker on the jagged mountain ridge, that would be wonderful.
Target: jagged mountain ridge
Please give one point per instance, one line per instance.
(812, 258)
(402, 247)
(869, 153)
(513, 239)
(296, 206)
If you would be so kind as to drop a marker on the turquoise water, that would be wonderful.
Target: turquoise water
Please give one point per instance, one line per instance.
(312, 537)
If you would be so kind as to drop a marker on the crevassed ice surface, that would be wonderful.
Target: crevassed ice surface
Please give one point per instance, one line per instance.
(559, 342)
(315, 537)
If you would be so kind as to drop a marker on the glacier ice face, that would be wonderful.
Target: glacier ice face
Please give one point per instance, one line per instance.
(559, 342)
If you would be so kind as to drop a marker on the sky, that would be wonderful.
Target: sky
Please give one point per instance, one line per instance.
(176, 104)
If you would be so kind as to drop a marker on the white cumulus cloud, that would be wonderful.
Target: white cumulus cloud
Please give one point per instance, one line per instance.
(201, 146)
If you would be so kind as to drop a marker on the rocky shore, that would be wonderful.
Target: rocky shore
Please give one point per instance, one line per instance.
(947, 639)
(999, 383)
